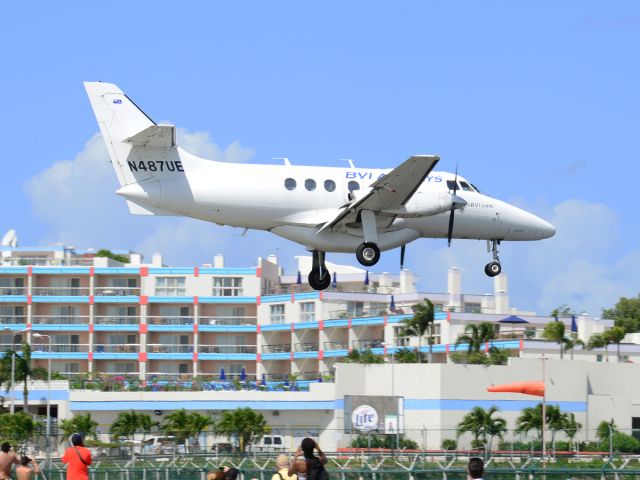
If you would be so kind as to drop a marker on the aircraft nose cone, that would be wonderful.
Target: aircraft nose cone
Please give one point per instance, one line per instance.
(546, 229)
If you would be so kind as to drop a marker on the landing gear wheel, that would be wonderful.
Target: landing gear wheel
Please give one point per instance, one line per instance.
(492, 269)
(319, 283)
(368, 254)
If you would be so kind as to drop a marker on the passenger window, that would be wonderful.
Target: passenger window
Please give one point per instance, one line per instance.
(310, 184)
(329, 185)
(451, 185)
(290, 184)
(353, 186)
(465, 186)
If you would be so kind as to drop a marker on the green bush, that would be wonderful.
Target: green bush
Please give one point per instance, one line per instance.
(449, 444)
(621, 442)
(382, 441)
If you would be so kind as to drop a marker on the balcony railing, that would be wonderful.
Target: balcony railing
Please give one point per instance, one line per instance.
(368, 343)
(167, 348)
(60, 291)
(61, 348)
(170, 320)
(360, 313)
(277, 348)
(306, 347)
(13, 291)
(228, 320)
(117, 291)
(227, 349)
(60, 319)
(9, 319)
(116, 348)
(336, 345)
(46, 261)
(116, 320)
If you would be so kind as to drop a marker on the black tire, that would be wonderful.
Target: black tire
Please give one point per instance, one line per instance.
(318, 283)
(368, 254)
(492, 269)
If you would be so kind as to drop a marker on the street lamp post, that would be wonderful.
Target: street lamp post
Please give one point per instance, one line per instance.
(48, 429)
(393, 395)
(12, 408)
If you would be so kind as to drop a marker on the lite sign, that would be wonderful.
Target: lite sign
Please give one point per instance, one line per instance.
(364, 418)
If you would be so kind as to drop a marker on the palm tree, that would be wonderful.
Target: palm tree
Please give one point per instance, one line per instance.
(183, 425)
(530, 419)
(476, 335)
(24, 371)
(404, 355)
(481, 424)
(570, 425)
(554, 331)
(243, 424)
(83, 424)
(598, 340)
(128, 423)
(572, 342)
(615, 335)
(418, 325)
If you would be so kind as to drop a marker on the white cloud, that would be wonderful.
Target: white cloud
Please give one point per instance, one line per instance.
(76, 199)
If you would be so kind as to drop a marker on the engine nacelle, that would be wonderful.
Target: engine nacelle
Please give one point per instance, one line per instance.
(422, 204)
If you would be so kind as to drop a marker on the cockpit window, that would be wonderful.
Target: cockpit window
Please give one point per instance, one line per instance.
(451, 185)
(476, 188)
(465, 186)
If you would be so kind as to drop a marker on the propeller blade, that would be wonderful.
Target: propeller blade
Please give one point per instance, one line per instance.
(402, 248)
(450, 231)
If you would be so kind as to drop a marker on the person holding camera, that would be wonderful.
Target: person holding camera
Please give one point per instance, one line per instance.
(309, 467)
(27, 469)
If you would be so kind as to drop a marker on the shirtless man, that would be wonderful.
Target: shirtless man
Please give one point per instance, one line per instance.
(8, 458)
(25, 471)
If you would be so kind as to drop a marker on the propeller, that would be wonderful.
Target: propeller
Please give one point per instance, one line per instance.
(456, 202)
(402, 248)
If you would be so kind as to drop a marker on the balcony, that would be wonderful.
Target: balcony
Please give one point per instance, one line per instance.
(170, 320)
(13, 291)
(60, 319)
(168, 348)
(46, 261)
(60, 291)
(277, 348)
(368, 343)
(13, 319)
(305, 347)
(228, 320)
(117, 291)
(360, 313)
(116, 348)
(116, 320)
(336, 345)
(227, 349)
(61, 348)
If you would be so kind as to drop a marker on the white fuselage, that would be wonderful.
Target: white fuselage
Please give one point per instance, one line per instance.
(257, 197)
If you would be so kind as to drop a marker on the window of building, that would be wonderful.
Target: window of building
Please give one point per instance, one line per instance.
(121, 339)
(277, 313)
(227, 286)
(472, 308)
(174, 315)
(290, 184)
(170, 286)
(173, 367)
(355, 309)
(329, 185)
(11, 286)
(12, 314)
(635, 427)
(65, 286)
(66, 367)
(599, 358)
(121, 367)
(119, 313)
(308, 312)
(353, 186)
(310, 184)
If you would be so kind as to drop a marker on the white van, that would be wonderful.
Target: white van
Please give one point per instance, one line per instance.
(162, 446)
(268, 443)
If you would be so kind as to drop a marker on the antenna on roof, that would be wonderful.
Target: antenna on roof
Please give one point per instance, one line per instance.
(284, 159)
(10, 239)
(350, 162)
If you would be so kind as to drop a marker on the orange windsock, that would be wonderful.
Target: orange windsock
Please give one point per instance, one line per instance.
(528, 388)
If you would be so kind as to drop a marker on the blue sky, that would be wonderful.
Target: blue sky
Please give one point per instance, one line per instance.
(537, 103)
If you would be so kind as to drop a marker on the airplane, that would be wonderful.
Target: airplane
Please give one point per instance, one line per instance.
(326, 209)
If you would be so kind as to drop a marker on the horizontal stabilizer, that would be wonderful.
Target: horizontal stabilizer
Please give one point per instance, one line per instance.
(155, 136)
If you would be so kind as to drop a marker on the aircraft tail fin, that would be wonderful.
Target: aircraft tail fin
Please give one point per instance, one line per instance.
(127, 131)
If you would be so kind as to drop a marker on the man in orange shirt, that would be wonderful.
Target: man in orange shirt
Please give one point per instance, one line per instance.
(77, 458)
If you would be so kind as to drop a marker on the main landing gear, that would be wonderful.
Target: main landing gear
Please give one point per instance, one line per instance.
(493, 268)
(368, 254)
(319, 277)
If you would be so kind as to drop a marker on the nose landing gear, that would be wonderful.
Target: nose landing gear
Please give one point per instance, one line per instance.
(319, 277)
(493, 268)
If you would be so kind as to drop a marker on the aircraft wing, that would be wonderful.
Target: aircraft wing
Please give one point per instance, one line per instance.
(391, 191)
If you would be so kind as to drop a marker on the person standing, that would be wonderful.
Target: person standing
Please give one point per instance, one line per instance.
(309, 467)
(282, 464)
(25, 471)
(8, 458)
(475, 469)
(77, 458)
